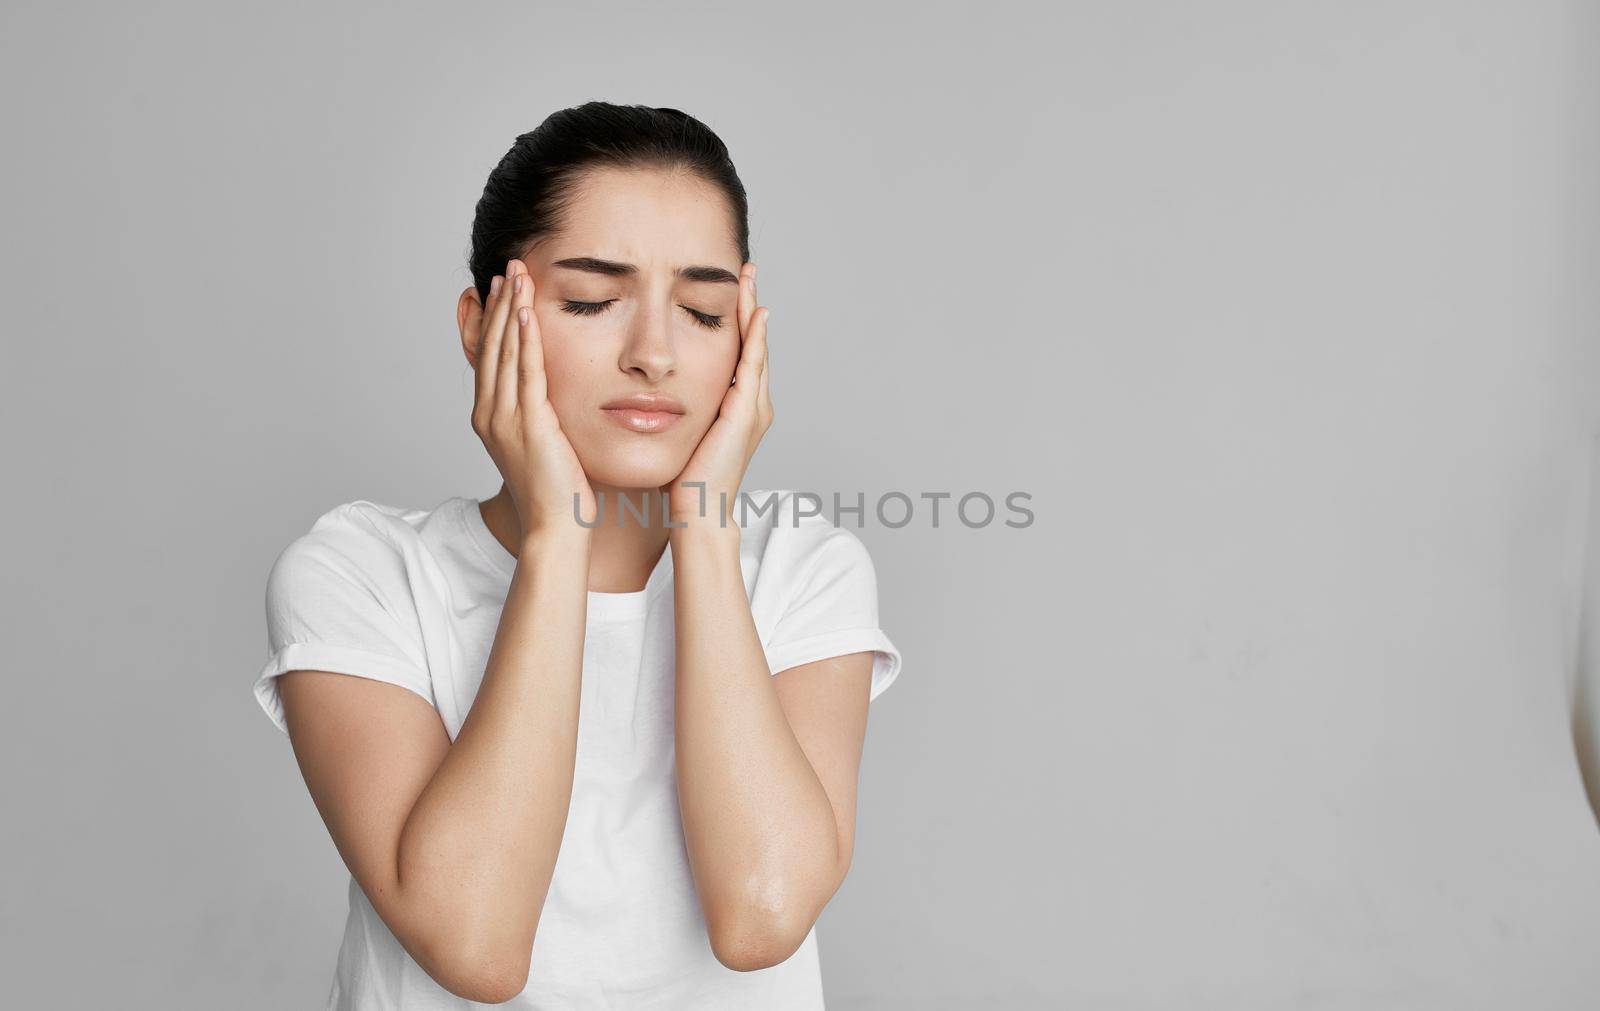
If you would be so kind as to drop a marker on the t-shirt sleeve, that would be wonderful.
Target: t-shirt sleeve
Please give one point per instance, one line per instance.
(833, 611)
(338, 600)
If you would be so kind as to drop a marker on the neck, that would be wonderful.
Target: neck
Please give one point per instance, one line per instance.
(621, 557)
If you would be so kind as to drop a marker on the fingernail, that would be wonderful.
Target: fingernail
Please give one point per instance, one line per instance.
(519, 283)
(494, 286)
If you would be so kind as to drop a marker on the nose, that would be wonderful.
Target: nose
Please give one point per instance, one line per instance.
(647, 352)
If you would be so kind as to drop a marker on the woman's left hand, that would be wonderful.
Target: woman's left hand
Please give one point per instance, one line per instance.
(745, 415)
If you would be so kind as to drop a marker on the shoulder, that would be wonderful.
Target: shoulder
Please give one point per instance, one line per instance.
(360, 541)
(342, 597)
(815, 590)
(363, 517)
(793, 537)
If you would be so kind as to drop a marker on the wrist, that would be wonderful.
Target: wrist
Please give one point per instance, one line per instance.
(705, 530)
(691, 502)
(557, 535)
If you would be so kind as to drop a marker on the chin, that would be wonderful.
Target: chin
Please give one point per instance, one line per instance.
(638, 466)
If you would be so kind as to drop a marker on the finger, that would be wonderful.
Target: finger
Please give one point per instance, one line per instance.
(516, 290)
(747, 303)
(766, 358)
(747, 298)
(747, 375)
(488, 346)
(531, 354)
(758, 351)
(758, 318)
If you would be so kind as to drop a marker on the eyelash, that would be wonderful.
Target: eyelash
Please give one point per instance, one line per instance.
(595, 308)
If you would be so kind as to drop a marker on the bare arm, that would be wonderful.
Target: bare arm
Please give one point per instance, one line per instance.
(766, 770)
(455, 844)
(478, 850)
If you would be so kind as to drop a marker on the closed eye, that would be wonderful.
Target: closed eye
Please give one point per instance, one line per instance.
(707, 320)
(586, 308)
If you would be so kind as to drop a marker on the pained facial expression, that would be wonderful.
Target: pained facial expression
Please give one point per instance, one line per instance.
(611, 332)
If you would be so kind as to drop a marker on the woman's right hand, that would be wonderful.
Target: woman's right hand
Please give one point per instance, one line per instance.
(513, 416)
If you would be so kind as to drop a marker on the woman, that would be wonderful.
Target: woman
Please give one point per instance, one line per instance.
(601, 742)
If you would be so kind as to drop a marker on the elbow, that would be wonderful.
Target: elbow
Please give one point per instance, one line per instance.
(494, 988)
(756, 938)
(486, 985)
(469, 946)
(484, 979)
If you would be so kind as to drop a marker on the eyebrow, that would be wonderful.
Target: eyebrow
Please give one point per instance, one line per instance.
(611, 268)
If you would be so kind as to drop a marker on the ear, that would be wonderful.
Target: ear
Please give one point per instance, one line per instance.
(469, 320)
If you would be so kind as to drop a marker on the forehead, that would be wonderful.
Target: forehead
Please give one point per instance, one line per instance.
(649, 217)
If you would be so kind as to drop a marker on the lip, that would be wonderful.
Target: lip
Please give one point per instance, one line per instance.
(644, 412)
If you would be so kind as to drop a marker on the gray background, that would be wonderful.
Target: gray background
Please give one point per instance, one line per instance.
(1284, 313)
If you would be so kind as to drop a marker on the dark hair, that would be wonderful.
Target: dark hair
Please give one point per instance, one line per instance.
(530, 189)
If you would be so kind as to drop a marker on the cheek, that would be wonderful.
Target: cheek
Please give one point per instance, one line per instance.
(570, 369)
(708, 369)
(721, 353)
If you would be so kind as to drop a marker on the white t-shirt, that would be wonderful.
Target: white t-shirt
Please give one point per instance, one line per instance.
(414, 597)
